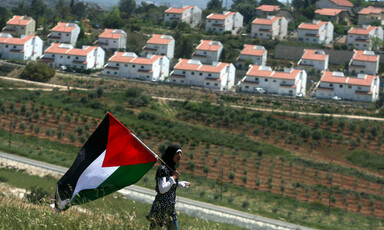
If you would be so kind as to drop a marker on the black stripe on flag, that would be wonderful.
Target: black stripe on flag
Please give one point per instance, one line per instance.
(94, 147)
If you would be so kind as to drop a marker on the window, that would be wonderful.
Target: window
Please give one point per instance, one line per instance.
(256, 78)
(126, 65)
(246, 87)
(77, 58)
(183, 72)
(201, 74)
(209, 74)
(340, 86)
(133, 66)
(173, 80)
(207, 83)
(265, 80)
(349, 87)
(330, 85)
(115, 73)
(108, 72)
(142, 67)
(193, 73)
(59, 33)
(68, 57)
(148, 76)
(14, 47)
(274, 80)
(61, 56)
(6, 46)
(67, 35)
(215, 84)
(182, 81)
(53, 55)
(359, 88)
(117, 64)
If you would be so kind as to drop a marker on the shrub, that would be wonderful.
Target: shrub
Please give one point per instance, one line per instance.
(231, 175)
(37, 195)
(245, 204)
(38, 71)
(191, 165)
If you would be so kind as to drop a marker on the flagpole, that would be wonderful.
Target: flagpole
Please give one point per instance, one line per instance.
(153, 153)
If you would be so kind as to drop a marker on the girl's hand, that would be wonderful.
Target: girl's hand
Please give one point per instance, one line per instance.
(176, 174)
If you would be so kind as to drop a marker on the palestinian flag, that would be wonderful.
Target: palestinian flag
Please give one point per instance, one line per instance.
(111, 159)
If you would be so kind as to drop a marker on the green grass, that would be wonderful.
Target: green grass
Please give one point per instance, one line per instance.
(366, 159)
(161, 126)
(110, 212)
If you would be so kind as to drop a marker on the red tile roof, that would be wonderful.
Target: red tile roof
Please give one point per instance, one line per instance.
(212, 68)
(371, 10)
(159, 39)
(174, 10)
(81, 52)
(121, 57)
(63, 27)
(312, 26)
(185, 64)
(250, 50)
(208, 46)
(265, 21)
(16, 41)
(268, 8)
(367, 81)
(57, 48)
(342, 3)
(361, 55)
(285, 75)
(257, 71)
(362, 31)
(328, 11)
(328, 76)
(19, 20)
(312, 55)
(111, 34)
(220, 16)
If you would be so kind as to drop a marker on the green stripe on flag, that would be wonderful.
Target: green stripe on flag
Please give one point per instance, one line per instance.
(122, 177)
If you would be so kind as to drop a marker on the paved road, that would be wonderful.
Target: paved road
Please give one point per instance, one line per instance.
(191, 207)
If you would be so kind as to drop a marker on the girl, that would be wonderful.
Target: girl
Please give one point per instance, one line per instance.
(163, 213)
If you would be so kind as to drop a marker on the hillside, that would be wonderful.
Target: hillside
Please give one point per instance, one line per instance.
(235, 157)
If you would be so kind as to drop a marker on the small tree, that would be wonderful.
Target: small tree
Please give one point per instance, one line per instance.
(38, 71)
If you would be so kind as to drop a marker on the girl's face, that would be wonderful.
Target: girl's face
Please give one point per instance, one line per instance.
(177, 156)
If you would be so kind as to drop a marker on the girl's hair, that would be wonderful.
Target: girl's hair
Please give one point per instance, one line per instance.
(168, 155)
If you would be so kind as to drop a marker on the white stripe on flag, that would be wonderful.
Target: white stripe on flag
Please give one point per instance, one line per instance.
(94, 175)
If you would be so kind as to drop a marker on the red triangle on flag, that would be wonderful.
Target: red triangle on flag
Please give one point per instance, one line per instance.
(123, 148)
